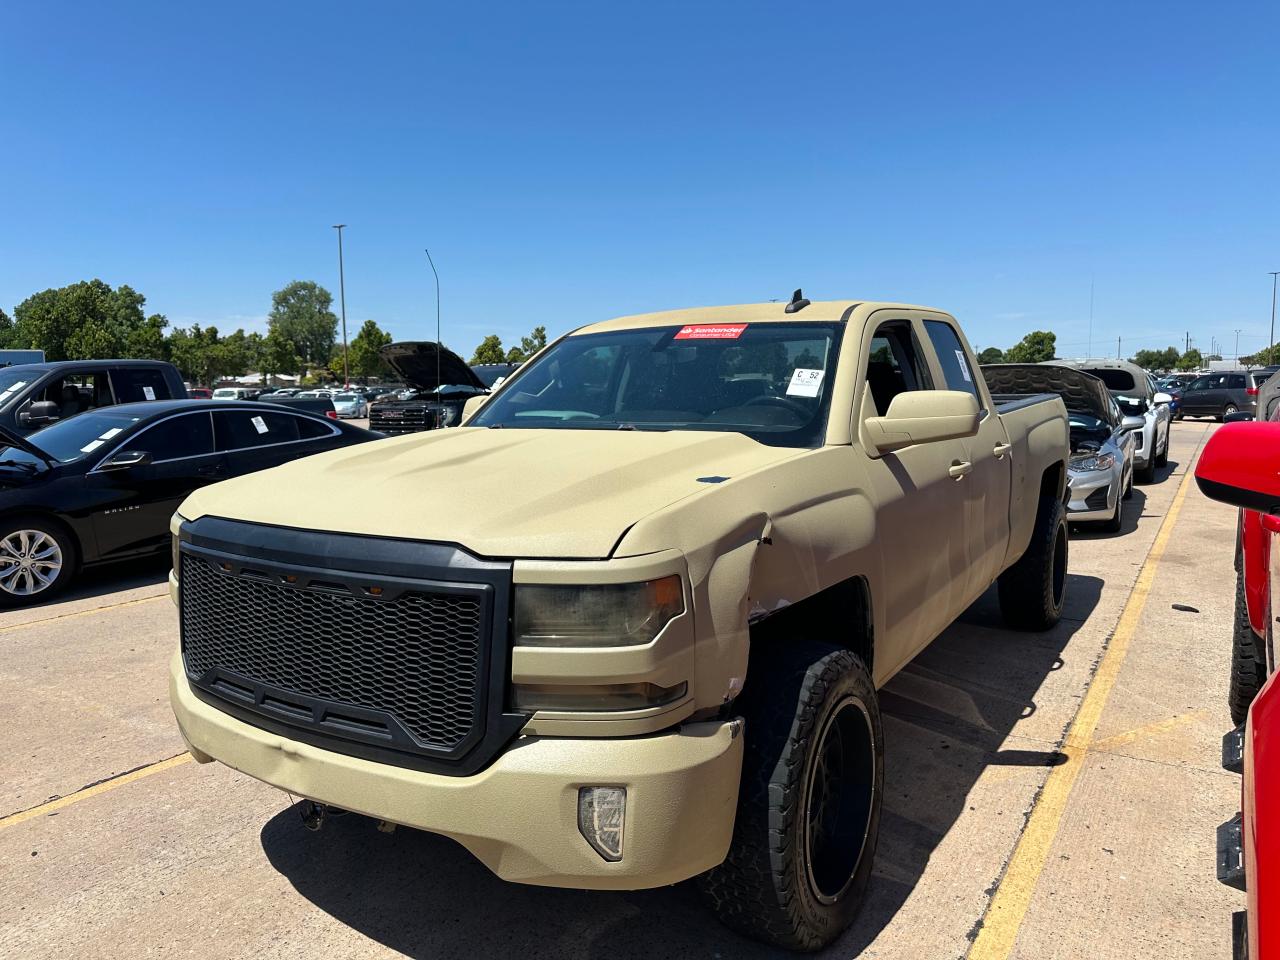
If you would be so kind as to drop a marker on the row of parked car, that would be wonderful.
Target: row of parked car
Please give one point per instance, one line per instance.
(1119, 419)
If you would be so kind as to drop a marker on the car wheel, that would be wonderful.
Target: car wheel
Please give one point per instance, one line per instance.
(1229, 409)
(1033, 589)
(1113, 523)
(37, 560)
(1128, 486)
(809, 807)
(1248, 670)
(1162, 458)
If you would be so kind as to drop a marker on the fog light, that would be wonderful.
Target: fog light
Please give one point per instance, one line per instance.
(602, 814)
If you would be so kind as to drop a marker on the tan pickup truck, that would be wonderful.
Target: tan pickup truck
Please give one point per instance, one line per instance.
(627, 624)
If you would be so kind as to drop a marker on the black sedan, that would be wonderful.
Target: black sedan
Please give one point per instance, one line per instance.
(101, 486)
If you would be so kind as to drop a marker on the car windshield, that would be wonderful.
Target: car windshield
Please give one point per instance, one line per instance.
(13, 379)
(345, 398)
(771, 381)
(1116, 380)
(226, 392)
(69, 440)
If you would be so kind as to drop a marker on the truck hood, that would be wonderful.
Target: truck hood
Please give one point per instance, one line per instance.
(1080, 392)
(499, 493)
(425, 366)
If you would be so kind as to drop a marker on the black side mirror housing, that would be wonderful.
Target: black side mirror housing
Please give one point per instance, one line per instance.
(41, 413)
(126, 460)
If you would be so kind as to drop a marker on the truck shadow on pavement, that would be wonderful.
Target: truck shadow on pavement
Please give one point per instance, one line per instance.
(947, 717)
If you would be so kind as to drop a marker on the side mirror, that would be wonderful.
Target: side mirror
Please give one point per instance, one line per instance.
(1132, 423)
(924, 416)
(126, 460)
(41, 413)
(471, 406)
(1239, 464)
(1162, 398)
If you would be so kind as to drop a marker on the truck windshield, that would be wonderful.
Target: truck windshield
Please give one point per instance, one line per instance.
(771, 381)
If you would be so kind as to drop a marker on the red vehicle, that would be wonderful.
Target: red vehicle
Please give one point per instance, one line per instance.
(200, 393)
(1241, 466)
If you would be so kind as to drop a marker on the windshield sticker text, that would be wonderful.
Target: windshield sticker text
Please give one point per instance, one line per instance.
(805, 382)
(711, 331)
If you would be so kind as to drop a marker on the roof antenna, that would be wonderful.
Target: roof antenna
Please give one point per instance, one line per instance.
(798, 302)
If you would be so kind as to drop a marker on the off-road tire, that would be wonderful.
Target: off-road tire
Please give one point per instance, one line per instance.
(1248, 669)
(1114, 523)
(69, 559)
(1033, 589)
(767, 888)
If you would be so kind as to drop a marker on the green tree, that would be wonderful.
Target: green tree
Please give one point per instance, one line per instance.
(991, 355)
(1263, 358)
(86, 321)
(528, 346)
(301, 314)
(489, 351)
(1166, 359)
(204, 357)
(1035, 347)
(1191, 360)
(365, 361)
(277, 355)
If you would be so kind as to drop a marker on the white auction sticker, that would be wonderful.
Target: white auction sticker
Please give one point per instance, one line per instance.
(91, 446)
(149, 392)
(110, 433)
(259, 424)
(805, 383)
(964, 365)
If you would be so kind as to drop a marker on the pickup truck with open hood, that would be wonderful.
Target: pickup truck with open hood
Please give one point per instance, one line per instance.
(442, 384)
(627, 624)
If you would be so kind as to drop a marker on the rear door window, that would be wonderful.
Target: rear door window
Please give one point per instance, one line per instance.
(1236, 381)
(245, 429)
(134, 384)
(952, 358)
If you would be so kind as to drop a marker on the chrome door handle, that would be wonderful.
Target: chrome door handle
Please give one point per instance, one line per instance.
(1001, 449)
(959, 469)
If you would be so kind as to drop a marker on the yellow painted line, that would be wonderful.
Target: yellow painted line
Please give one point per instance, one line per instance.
(1144, 731)
(97, 789)
(1008, 906)
(84, 613)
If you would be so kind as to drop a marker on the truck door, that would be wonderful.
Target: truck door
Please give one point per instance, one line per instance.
(919, 505)
(986, 489)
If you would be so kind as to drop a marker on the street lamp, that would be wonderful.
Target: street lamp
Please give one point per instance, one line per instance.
(1271, 349)
(342, 299)
(439, 345)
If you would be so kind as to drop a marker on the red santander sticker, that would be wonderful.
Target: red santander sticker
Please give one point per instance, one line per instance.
(711, 331)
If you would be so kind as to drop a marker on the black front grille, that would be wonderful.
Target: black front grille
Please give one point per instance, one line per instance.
(1097, 500)
(417, 658)
(401, 419)
(404, 664)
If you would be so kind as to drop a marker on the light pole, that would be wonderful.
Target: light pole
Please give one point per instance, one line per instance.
(1271, 348)
(439, 345)
(1237, 348)
(342, 299)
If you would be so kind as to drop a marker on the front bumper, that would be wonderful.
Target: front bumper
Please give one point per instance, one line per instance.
(518, 816)
(1085, 496)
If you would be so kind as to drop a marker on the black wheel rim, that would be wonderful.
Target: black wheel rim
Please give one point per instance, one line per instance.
(1060, 564)
(839, 799)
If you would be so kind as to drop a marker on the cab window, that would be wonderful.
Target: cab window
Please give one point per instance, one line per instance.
(895, 365)
(77, 392)
(952, 358)
(135, 384)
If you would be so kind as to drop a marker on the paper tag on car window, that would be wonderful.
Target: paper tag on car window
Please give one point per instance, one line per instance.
(259, 424)
(149, 392)
(805, 382)
(110, 433)
(497, 383)
(91, 446)
(964, 365)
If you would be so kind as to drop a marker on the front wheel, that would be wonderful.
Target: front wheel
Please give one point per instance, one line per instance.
(1248, 669)
(1114, 523)
(809, 807)
(37, 560)
(1033, 589)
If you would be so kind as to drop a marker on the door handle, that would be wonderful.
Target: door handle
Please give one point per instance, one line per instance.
(1001, 449)
(208, 470)
(959, 468)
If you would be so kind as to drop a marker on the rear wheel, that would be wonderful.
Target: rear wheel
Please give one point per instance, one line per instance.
(1128, 485)
(1162, 458)
(1248, 670)
(1228, 410)
(1033, 589)
(37, 560)
(809, 807)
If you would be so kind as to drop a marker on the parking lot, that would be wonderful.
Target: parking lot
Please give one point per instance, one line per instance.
(1048, 796)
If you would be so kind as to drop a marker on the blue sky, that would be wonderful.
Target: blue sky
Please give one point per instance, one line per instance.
(567, 163)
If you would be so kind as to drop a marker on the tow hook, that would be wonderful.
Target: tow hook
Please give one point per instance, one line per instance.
(313, 814)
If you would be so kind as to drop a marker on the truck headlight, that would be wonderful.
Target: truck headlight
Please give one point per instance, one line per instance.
(605, 615)
(1101, 461)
